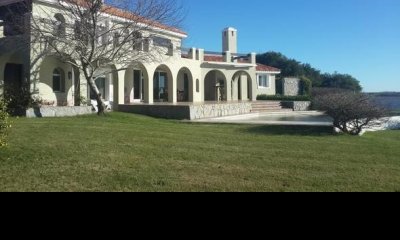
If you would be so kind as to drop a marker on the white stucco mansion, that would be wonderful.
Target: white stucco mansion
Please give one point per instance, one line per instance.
(182, 75)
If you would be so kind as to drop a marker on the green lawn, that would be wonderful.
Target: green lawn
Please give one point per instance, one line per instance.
(124, 152)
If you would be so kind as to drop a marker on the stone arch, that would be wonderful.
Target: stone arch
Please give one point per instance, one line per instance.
(163, 85)
(45, 85)
(185, 85)
(241, 87)
(136, 83)
(215, 86)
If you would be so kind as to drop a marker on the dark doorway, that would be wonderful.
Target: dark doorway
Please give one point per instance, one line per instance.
(13, 76)
(137, 77)
(186, 87)
(17, 95)
(77, 85)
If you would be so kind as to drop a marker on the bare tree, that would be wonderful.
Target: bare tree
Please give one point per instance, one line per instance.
(92, 35)
(351, 112)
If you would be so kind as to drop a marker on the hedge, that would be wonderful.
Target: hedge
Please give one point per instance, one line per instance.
(282, 98)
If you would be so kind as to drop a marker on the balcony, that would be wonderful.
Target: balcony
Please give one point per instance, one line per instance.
(218, 57)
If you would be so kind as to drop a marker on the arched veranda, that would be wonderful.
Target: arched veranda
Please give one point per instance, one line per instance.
(185, 85)
(163, 84)
(241, 86)
(136, 83)
(215, 86)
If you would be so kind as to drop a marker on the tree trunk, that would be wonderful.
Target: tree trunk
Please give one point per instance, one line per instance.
(100, 103)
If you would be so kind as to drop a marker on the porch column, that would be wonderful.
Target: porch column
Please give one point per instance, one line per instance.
(173, 97)
(253, 87)
(243, 87)
(118, 82)
(228, 90)
(73, 93)
(121, 87)
(148, 87)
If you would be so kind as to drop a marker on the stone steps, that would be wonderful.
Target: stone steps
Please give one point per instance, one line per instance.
(268, 106)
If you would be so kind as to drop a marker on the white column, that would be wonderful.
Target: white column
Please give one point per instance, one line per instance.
(173, 98)
(73, 93)
(148, 88)
(118, 83)
(121, 87)
(244, 87)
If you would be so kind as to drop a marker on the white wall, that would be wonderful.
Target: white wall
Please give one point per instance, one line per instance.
(45, 85)
(271, 90)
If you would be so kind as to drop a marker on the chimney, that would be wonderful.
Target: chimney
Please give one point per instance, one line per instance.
(229, 40)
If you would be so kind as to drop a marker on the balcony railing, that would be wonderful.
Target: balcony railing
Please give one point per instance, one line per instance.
(210, 56)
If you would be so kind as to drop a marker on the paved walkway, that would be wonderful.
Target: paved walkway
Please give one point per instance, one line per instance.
(309, 118)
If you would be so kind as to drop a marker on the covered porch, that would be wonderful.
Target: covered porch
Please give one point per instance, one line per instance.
(188, 111)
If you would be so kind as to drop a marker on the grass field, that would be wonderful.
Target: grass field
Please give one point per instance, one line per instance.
(124, 152)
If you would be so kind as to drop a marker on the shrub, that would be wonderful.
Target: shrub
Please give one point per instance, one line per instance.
(18, 100)
(351, 112)
(305, 86)
(283, 98)
(4, 123)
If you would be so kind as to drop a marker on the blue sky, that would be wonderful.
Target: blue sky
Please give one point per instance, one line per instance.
(359, 37)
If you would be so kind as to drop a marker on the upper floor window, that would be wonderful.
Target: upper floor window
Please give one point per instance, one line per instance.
(162, 42)
(116, 39)
(58, 80)
(263, 81)
(59, 25)
(102, 34)
(137, 39)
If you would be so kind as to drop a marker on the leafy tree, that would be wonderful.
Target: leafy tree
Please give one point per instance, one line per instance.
(343, 81)
(305, 86)
(293, 68)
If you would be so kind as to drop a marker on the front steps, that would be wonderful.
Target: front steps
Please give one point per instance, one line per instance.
(268, 106)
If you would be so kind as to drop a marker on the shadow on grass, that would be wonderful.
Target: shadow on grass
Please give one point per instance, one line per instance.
(291, 130)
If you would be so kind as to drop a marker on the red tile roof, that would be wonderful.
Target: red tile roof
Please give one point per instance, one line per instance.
(213, 58)
(130, 16)
(265, 68)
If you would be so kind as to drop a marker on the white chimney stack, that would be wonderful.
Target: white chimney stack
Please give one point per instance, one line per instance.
(229, 40)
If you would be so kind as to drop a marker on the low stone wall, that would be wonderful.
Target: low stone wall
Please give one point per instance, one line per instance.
(291, 86)
(297, 105)
(301, 106)
(159, 111)
(219, 110)
(188, 112)
(58, 112)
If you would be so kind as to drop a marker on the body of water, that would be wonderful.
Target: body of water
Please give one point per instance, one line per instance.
(389, 102)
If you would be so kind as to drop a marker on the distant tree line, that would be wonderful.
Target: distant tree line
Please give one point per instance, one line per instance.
(294, 68)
